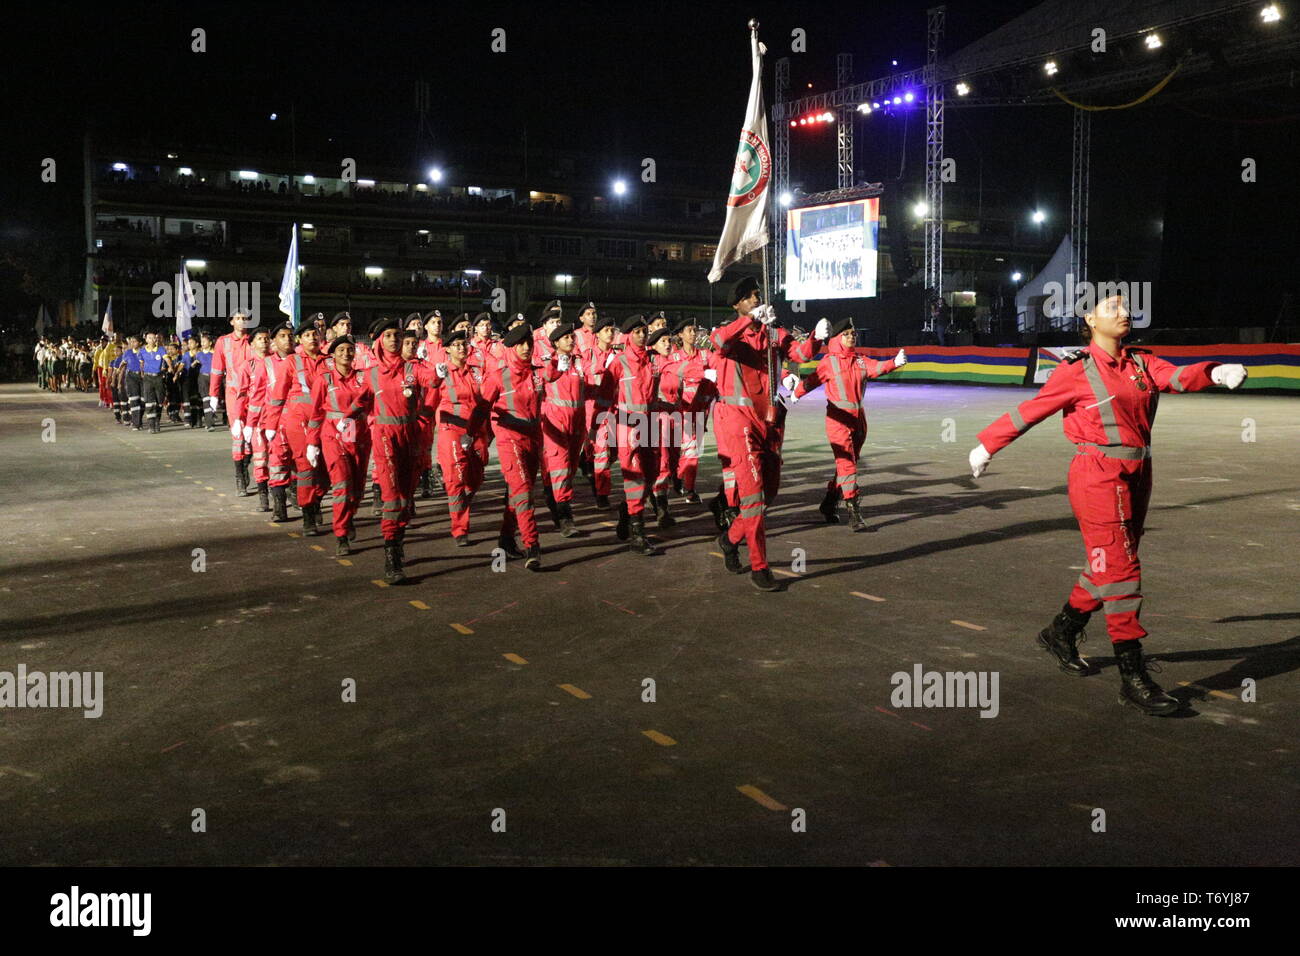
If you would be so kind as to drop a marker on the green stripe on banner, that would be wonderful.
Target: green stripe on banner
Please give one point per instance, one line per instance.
(1015, 378)
(1271, 382)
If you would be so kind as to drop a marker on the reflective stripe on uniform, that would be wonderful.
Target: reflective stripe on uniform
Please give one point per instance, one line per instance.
(1125, 452)
(1017, 419)
(1103, 406)
(1114, 589)
(1122, 607)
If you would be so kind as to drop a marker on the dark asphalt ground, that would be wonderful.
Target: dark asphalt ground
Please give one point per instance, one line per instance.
(223, 688)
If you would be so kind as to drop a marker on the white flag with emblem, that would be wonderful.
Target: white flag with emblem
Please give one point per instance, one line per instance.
(186, 303)
(751, 180)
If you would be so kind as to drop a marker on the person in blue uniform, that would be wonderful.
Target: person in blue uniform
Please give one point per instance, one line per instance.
(203, 376)
(131, 368)
(152, 368)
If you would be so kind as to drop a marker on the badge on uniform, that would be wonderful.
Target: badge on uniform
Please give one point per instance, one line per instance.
(408, 391)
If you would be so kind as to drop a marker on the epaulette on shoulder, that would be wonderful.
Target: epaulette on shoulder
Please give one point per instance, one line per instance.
(1075, 356)
(1134, 348)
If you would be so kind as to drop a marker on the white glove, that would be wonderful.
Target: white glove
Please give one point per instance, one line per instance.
(212, 402)
(612, 356)
(790, 381)
(900, 359)
(1229, 375)
(765, 314)
(248, 433)
(466, 443)
(268, 434)
(577, 366)
(440, 370)
(711, 374)
(823, 330)
(236, 428)
(313, 454)
(979, 460)
(344, 426)
(562, 363)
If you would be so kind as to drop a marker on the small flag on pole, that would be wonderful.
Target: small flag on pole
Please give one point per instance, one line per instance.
(42, 320)
(108, 318)
(746, 227)
(291, 283)
(185, 304)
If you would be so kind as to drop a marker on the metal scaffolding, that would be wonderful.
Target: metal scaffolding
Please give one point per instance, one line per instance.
(781, 178)
(844, 124)
(1079, 165)
(933, 162)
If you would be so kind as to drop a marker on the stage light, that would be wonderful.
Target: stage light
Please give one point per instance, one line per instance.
(1050, 67)
(875, 106)
(864, 108)
(561, 277)
(196, 263)
(1016, 277)
(248, 174)
(908, 97)
(185, 171)
(274, 117)
(435, 175)
(1038, 215)
(472, 272)
(828, 118)
(1152, 41)
(897, 100)
(307, 225)
(656, 281)
(368, 183)
(120, 167)
(786, 199)
(620, 187)
(374, 271)
(309, 179)
(962, 89)
(422, 232)
(793, 123)
(1271, 13)
(894, 62)
(172, 156)
(920, 209)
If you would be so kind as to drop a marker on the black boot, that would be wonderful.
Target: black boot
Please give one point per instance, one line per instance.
(730, 554)
(763, 580)
(262, 503)
(379, 501)
(665, 519)
(207, 419)
(677, 486)
(721, 513)
(855, 515)
(310, 520)
(690, 496)
(280, 509)
(639, 543)
(393, 572)
(551, 506)
(248, 477)
(1136, 686)
(341, 549)
(621, 530)
(829, 504)
(506, 542)
(1061, 639)
(567, 527)
(602, 502)
(426, 485)
(534, 560)
(241, 478)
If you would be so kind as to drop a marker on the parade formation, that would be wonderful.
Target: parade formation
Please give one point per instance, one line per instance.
(418, 404)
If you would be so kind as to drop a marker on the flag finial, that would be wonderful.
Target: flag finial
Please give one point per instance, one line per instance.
(753, 24)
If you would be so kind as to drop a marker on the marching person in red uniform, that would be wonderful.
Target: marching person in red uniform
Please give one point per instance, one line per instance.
(290, 413)
(398, 391)
(552, 315)
(748, 443)
(598, 408)
(635, 379)
(563, 428)
(697, 394)
(252, 395)
(584, 336)
(1108, 393)
(279, 459)
(665, 421)
(844, 375)
(229, 366)
(343, 438)
(513, 391)
(432, 352)
(459, 408)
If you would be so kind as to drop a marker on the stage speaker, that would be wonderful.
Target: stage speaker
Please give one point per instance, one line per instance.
(895, 209)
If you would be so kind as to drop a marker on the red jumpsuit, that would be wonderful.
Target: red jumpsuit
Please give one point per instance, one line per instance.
(583, 340)
(275, 456)
(484, 355)
(665, 421)
(845, 375)
(598, 413)
(635, 377)
(395, 431)
(289, 413)
(253, 398)
(229, 365)
(748, 445)
(346, 451)
(513, 390)
(460, 408)
(563, 427)
(1108, 417)
(697, 394)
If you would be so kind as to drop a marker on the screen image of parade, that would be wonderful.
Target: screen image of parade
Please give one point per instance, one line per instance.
(830, 251)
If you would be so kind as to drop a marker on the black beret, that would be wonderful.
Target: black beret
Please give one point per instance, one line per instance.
(463, 317)
(585, 306)
(481, 316)
(381, 325)
(684, 323)
(435, 314)
(339, 316)
(520, 333)
(560, 331)
(314, 318)
(410, 333)
(340, 340)
(632, 322)
(841, 326)
(516, 319)
(743, 288)
(455, 335)
(655, 336)
(551, 312)
(604, 322)
(414, 315)
(307, 326)
(657, 315)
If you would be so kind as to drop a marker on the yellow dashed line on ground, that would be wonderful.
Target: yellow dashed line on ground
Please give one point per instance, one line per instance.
(715, 554)
(609, 524)
(317, 547)
(577, 692)
(967, 624)
(512, 658)
(379, 584)
(197, 482)
(166, 466)
(418, 605)
(663, 740)
(1222, 694)
(207, 487)
(759, 797)
(869, 597)
(788, 574)
(462, 628)
(294, 534)
(221, 494)
(344, 561)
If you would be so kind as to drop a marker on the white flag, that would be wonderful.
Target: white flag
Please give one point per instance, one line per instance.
(185, 304)
(751, 180)
(108, 318)
(289, 285)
